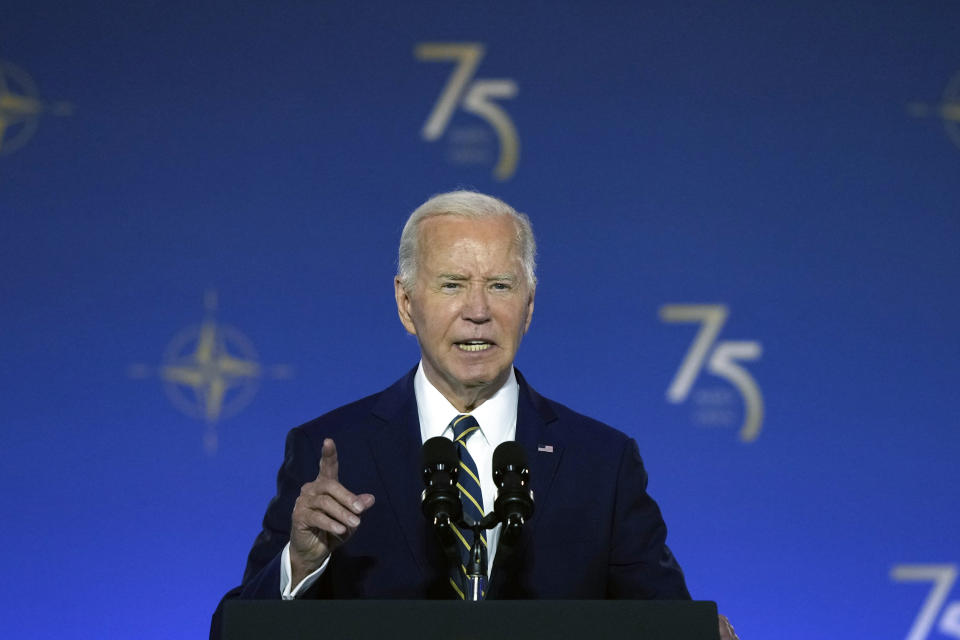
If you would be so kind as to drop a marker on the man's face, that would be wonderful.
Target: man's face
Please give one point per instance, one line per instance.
(469, 306)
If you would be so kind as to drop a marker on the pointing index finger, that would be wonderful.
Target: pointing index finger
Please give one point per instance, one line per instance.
(329, 466)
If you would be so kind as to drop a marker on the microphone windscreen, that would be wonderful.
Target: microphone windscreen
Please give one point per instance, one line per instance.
(509, 454)
(440, 450)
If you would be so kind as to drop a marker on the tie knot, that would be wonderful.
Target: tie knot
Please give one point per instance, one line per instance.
(464, 425)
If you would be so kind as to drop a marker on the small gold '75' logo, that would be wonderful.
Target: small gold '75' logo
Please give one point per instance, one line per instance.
(476, 96)
(721, 359)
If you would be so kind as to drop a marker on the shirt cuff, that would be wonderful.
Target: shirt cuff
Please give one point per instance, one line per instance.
(286, 573)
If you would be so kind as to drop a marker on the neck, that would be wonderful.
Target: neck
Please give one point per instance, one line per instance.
(469, 403)
(465, 399)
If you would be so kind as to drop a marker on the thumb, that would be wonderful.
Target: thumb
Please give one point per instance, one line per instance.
(329, 466)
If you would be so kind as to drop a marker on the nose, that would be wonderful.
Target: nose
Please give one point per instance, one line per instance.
(476, 307)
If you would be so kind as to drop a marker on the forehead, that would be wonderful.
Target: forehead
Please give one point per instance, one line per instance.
(451, 237)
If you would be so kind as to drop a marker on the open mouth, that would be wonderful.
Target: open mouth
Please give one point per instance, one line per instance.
(474, 345)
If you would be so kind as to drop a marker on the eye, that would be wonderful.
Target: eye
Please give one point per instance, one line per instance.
(501, 286)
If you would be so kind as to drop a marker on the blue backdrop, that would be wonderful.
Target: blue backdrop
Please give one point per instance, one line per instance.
(748, 223)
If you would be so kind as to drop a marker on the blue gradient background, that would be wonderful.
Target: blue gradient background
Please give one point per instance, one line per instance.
(756, 155)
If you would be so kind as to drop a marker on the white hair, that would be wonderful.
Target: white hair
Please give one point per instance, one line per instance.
(469, 204)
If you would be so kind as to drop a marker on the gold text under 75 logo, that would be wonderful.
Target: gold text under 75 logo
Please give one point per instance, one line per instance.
(721, 360)
(476, 96)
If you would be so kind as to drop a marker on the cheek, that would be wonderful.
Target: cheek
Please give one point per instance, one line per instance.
(514, 323)
(433, 321)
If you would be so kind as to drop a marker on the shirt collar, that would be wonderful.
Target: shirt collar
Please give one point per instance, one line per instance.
(497, 416)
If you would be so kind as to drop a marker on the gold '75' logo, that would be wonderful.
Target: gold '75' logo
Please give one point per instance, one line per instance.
(943, 577)
(720, 358)
(475, 95)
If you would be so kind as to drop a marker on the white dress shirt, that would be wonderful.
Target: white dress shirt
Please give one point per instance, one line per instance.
(497, 418)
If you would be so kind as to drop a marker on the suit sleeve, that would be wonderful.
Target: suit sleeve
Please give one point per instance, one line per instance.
(300, 465)
(261, 579)
(641, 565)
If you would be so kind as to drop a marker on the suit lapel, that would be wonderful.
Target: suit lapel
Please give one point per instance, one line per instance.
(544, 450)
(395, 448)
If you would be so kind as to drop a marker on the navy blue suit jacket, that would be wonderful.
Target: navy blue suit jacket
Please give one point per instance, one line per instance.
(595, 532)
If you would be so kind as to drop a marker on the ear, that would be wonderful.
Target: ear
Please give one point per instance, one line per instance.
(404, 306)
(526, 325)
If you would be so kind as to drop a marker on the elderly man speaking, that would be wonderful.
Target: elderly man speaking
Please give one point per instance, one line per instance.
(346, 521)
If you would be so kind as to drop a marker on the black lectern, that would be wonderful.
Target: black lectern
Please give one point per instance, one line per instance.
(450, 620)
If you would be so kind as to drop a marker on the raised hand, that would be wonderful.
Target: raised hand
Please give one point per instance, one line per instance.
(325, 515)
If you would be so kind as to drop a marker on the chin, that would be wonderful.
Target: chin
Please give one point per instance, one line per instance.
(474, 378)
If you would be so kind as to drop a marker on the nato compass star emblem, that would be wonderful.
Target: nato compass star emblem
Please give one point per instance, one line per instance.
(210, 372)
(948, 109)
(21, 107)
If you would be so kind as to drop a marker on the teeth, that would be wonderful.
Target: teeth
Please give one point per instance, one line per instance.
(474, 346)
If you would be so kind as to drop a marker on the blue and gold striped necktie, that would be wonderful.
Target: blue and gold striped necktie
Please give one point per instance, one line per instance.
(465, 425)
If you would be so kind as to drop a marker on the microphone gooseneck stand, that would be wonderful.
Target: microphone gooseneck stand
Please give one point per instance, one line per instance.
(476, 585)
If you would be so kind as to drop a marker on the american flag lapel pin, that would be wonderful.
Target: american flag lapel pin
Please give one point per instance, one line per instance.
(545, 448)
